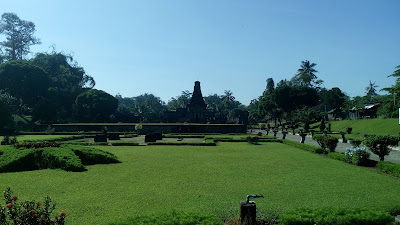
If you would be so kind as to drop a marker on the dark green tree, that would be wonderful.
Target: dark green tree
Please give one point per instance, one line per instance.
(148, 107)
(6, 120)
(270, 86)
(67, 81)
(30, 84)
(370, 91)
(19, 36)
(334, 99)
(94, 106)
(306, 75)
(180, 101)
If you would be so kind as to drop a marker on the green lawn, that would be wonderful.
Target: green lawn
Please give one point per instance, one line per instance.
(367, 126)
(207, 180)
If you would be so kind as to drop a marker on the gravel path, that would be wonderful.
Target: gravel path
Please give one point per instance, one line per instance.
(394, 155)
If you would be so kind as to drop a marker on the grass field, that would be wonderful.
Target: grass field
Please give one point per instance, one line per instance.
(207, 180)
(367, 126)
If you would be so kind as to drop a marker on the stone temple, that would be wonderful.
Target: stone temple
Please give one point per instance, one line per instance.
(195, 112)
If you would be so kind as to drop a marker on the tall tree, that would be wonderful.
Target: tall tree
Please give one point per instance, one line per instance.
(19, 36)
(370, 91)
(334, 99)
(180, 101)
(95, 106)
(67, 81)
(306, 75)
(270, 86)
(148, 107)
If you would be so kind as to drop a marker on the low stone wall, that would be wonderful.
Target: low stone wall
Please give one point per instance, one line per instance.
(148, 127)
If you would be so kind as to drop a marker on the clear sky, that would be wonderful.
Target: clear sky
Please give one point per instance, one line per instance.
(162, 47)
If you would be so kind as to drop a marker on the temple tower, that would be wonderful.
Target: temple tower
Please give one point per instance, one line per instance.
(197, 106)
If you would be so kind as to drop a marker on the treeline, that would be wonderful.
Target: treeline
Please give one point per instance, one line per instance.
(302, 99)
(51, 87)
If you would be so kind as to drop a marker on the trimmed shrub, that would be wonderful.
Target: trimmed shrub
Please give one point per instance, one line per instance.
(158, 135)
(337, 155)
(389, 168)
(172, 219)
(349, 130)
(113, 136)
(380, 144)
(309, 148)
(65, 159)
(91, 156)
(125, 144)
(100, 138)
(338, 216)
(70, 158)
(327, 143)
(150, 138)
(86, 143)
(357, 156)
(37, 144)
(252, 140)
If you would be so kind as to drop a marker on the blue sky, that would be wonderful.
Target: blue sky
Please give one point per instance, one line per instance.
(162, 47)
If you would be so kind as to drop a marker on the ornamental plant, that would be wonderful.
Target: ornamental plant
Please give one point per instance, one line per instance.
(380, 144)
(349, 130)
(28, 212)
(327, 143)
(357, 156)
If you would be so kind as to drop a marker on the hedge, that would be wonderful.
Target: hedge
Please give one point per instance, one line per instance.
(86, 143)
(58, 139)
(172, 219)
(306, 147)
(91, 156)
(337, 155)
(182, 136)
(54, 158)
(339, 216)
(389, 168)
(125, 144)
(69, 158)
(183, 143)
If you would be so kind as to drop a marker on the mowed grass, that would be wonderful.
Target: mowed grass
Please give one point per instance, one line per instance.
(367, 126)
(206, 180)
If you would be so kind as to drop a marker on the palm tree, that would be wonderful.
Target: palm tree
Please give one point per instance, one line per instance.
(370, 90)
(306, 75)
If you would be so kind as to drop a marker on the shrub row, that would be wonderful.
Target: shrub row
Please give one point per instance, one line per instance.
(309, 148)
(183, 143)
(59, 139)
(69, 158)
(42, 144)
(339, 216)
(245, 140)
(338, 156)
(389, 168)
(86, 143)
(182, 136)
(92, 156)
(172, 219)
(125, 144)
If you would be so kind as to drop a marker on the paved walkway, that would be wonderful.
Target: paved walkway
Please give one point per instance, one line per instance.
(394, 155)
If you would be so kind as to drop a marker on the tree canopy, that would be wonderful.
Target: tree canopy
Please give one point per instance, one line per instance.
(19, 36)
(95, 106)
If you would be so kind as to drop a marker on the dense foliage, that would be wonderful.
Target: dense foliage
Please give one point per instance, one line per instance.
(69, 158)
(95, 106)
(380, 144)
(338, 216)
(30, 212)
